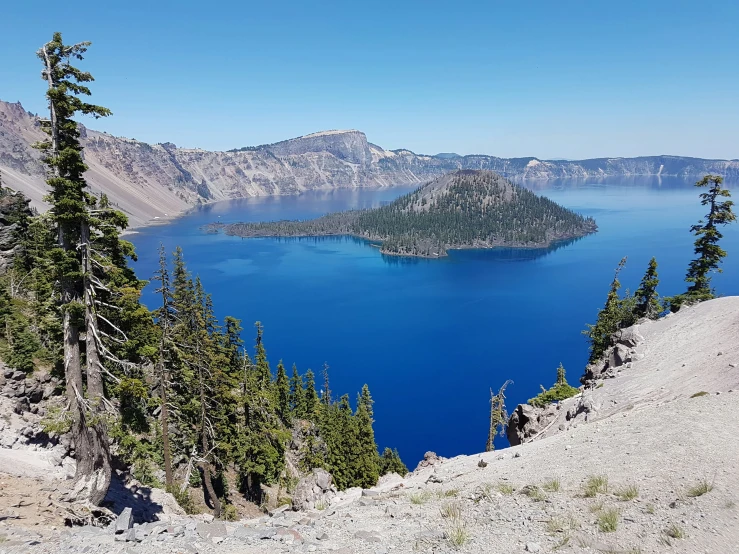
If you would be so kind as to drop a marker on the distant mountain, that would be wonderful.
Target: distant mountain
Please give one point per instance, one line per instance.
(447, 155)
(462, 209)
(152, 181)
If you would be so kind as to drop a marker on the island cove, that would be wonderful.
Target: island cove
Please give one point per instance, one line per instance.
(465, 209)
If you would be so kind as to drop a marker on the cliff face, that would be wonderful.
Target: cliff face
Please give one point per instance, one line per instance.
(156, 181)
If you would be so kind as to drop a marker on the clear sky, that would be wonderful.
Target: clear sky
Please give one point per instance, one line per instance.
(553, 79)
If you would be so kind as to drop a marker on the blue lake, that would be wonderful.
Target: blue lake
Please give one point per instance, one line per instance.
(431, 337)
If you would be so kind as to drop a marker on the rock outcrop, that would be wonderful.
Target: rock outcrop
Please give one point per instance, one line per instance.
(315, 490)
(529, 422)
(156, 181)
(618, 356)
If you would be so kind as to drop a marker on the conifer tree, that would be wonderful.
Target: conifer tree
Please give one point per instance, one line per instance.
(610, 319)
(297, 395)
(646, 297)
(367, 469)
(282, 389)
(326, 392)
(338, 430)
(311, 396)
(263, 439)
(165, 317)
(708, 236)
(70, 209)
(263, 372)
(498, 415)
(208, 409)
(390, 462)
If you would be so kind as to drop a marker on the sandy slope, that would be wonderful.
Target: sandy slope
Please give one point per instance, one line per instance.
(646, 431)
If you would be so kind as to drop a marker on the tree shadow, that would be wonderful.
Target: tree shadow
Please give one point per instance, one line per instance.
(134, 496)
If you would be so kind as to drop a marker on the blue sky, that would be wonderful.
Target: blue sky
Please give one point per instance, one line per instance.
(536, 78)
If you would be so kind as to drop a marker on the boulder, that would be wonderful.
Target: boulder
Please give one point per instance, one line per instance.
(124, 521)
(527, 421)
(619, 356)
(315, 488)
(630, 336)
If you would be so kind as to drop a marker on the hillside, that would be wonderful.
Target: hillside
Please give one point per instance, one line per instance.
(644, 430)
(463, 209)
(157, 181)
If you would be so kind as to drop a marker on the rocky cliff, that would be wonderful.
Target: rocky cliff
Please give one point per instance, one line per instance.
(157, 181)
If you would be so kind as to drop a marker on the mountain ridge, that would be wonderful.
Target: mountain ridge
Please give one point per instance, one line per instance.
(152, 182)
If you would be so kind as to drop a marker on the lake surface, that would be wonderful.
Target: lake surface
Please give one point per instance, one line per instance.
(431, 337)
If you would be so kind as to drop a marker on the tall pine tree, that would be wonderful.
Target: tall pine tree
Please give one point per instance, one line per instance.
(70, 213)
(708, 236)
(646, 297)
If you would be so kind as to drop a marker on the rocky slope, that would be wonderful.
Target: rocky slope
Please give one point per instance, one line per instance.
(659, 435)
(151, 182)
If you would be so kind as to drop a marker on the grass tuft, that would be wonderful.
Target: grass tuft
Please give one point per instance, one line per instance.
(608, 520)
(455, 528)
(552, 485)
(534, 493)
(674, 531)
(560, 524)
(629, 492)
(420, 497)
(597, 507)
(596, 484)
(697, 394)
(505, 488)
(451, 510)
(699, 489)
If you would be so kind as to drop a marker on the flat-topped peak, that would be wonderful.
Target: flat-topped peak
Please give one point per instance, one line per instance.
(329, 132)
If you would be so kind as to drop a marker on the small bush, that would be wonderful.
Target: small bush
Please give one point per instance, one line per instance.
(450, 493)
(184, 499)
(697, 394)
(561, 390)
(596, 484)
(608, 520)
(702, 487)
(629, 492)
(230, 513)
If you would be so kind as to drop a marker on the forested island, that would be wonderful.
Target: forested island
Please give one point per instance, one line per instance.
(463, 209)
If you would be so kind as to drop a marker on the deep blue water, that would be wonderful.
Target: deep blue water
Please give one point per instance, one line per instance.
(431, 337)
